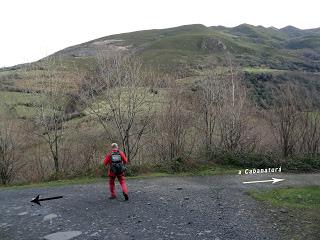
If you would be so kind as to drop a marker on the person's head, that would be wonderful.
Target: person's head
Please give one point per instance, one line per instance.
(114, 146)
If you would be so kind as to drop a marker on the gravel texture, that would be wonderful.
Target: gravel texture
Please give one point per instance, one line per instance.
(215, 207)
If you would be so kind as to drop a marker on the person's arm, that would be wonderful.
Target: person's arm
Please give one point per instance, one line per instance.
(124, 158)
(107, 159)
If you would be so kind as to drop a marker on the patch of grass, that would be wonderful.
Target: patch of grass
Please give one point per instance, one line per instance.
(261, 70)
(19, 102)
(25, 112)
(296, 209)
(12, 98)
(150, 175)
(142, 37)
(305, 197)
(216, 170)
(101, 105)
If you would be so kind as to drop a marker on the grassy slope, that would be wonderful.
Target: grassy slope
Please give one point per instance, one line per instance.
(181, 46)
(251, 45)
(308, 197)
(18, 102)
(298, 210)
(256, 48)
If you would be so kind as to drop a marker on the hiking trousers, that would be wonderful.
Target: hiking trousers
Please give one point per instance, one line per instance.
(112, 184)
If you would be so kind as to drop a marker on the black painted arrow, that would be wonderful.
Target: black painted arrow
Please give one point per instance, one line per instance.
(37, 200)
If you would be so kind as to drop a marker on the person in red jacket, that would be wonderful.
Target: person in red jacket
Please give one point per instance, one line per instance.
(110, 160)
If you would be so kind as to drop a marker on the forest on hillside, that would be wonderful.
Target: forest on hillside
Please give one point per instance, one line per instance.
(61, 127)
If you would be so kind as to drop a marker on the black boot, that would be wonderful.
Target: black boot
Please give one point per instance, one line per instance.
(126, 197)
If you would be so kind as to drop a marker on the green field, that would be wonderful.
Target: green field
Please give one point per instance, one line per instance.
(306, 197)
(23, 105)
(18, 98)
(296, 209)
(262, 70)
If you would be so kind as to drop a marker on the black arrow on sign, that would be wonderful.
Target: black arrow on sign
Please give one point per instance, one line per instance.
(37, 200)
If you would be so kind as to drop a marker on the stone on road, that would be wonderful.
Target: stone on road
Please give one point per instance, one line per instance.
(62, 235)
(49, 217)
(22, 213)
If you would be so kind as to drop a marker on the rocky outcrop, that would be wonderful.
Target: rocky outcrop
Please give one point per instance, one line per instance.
(110, 46)
(212, 44)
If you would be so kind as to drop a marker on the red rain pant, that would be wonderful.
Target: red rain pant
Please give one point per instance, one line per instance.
(122, 183)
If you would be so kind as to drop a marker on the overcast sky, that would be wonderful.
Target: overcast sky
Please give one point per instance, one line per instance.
(32, 29)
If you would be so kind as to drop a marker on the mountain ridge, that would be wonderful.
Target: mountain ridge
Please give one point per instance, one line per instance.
(253, 46)
(267, 57)
(243, 41)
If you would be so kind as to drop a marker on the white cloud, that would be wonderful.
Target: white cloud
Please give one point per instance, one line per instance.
(35, 28)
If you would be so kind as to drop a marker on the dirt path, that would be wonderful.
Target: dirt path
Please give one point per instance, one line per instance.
(215, 207)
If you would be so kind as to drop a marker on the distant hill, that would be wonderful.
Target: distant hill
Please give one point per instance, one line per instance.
(288, 48)
(268, 56)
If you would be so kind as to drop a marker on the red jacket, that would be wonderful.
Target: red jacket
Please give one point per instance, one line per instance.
(107, 161)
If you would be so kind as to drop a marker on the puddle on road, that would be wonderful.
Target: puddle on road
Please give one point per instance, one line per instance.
(62, 235)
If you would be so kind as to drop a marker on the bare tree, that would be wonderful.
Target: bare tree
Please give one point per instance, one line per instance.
(50, 114)
(8, 152)
(224, 109)
(236, 129)
(309, 126)
(210, 100)
(120, 99)
(285, 118)
(235, 126)
(309, 140)
(172, 135)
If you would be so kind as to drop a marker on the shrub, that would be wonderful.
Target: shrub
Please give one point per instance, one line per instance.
(253, 160)
(305, 163)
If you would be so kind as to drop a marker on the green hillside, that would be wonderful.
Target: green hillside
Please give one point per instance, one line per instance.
(250, 45)
(268, 57)
(58, 97)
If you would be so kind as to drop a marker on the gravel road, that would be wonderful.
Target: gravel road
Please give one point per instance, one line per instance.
(213, 207)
